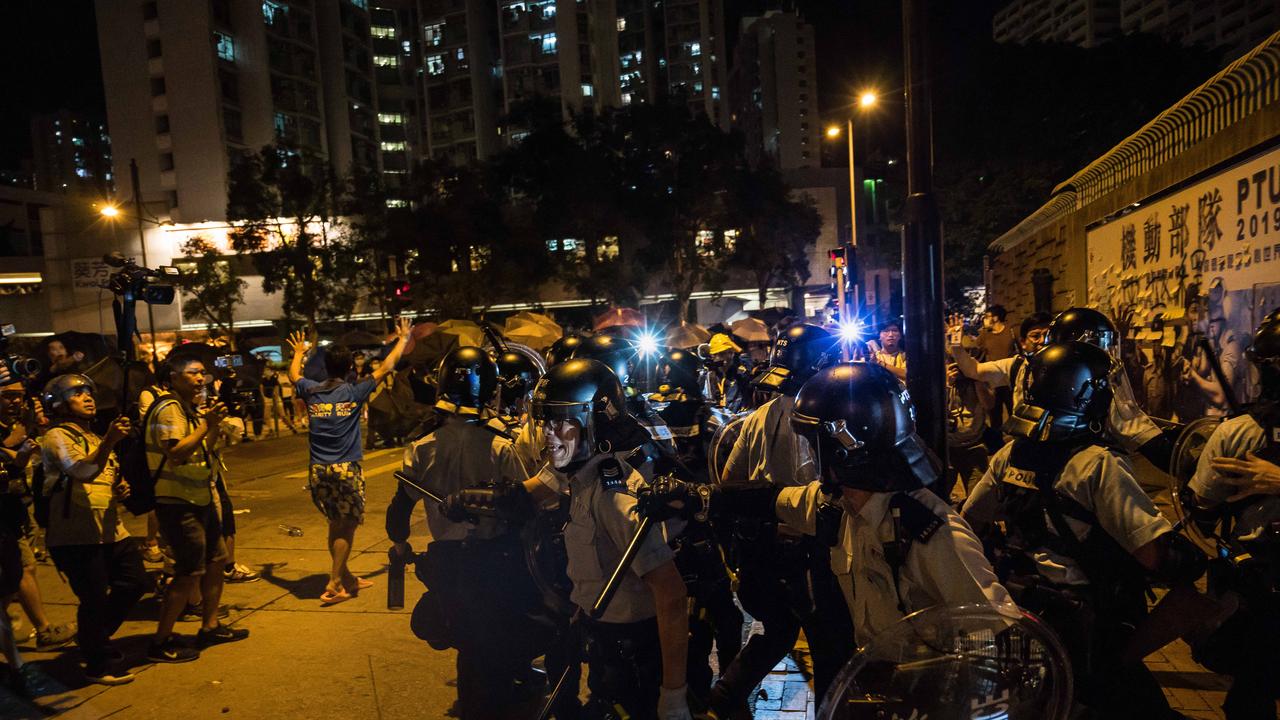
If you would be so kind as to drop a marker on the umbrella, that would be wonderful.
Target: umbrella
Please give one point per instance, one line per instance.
(359, 339)
(618, 317)
(686, 335)
(751, 330)
(539, 318)
(467, 332)
(529, 332)
(419, 331)
(428, 350)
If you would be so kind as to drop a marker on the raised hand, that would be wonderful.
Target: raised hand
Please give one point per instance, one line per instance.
(298, 342)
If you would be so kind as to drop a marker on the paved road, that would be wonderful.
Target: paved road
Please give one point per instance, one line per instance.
(356, 659)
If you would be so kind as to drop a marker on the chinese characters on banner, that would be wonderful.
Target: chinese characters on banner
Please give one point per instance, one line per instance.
(1203, 261)
(89, 274)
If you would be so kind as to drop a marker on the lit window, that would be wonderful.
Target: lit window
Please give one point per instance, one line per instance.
(730, 240)
(626, 98)
(607, 248)
(281, 122)
(695, 49)
(548, 11)
(479, 258)
(397, 146)
(715, 95)
(382, 31)
(622, 24)
(697, 87)
(461, 55)
(548, 42)
(552, 245)
(407, 47)
(706, 243)
(272, 10)
(81, 172)
(226, 46)
(362, 4)
(391, 118)
(395, 203)
(433, 35)
(587, 90)
(435, 64)
(386, 60)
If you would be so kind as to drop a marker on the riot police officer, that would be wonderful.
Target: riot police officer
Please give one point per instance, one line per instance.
(479, 597)
(896, 546)
(517, 376)
(713, 615)
(1245, 645)
(1081, 536)
(1126, 423)
(785, 578)
(636, 649)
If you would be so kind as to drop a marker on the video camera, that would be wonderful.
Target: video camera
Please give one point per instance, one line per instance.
(18, 367)
(152, 286)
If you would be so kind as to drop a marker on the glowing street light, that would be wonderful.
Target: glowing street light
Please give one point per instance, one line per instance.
(867, 99)
(109, 211)
(833, 132)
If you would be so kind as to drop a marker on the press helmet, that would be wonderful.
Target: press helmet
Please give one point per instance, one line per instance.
(861, 424)
(517, 374)
(465, 380)
(59, 389)
(797, 354)
(583, 390)
(1068, 393)
(1084, 325)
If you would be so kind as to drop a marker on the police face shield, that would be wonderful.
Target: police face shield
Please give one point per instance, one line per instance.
(565, 429)
(949, 663)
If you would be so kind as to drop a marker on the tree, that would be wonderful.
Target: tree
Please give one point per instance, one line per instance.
(211, 287)
(776, 232)
(282, 204)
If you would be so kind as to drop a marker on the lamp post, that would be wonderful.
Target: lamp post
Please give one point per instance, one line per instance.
(111, 212)
(866, 100)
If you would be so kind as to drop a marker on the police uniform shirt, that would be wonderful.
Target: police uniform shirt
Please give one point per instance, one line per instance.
(768, 451)
(1100, 481)
(947, 569)
(458, 455)
(1126, 422)
(529, 444)
(1233, 438)
(93, 516)
(602, 521)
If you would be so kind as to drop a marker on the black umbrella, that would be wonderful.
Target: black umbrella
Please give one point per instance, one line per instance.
(359, 339)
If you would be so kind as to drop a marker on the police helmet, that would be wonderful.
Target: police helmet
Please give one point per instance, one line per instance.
(861, 424)
(583, 390)
(1085, 325)
(57, 390)
(679, 372)
(615, 352)
(517, 374)
(1068, 394)
(1264, 351)
(797, 354)
(562, 349)
(465, 380)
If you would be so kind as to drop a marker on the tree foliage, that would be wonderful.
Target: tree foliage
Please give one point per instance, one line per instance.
(211, 287)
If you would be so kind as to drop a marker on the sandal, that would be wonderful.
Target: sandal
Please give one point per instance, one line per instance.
(329, 597)
(361, 584)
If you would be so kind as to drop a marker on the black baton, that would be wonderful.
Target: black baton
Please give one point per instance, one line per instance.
(399, 475)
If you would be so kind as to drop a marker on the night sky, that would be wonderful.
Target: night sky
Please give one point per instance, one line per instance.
(50, 55)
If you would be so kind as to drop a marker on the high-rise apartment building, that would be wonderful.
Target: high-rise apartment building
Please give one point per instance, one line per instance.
(1232, 25)
(774, 84)
(697, 67)
(192, 84)
(396, 58)
(71, 153)
(461, 79)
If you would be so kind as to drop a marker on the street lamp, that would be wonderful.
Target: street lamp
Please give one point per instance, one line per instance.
(867, 99)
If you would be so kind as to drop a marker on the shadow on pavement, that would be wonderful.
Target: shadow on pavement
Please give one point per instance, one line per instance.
(308, 587)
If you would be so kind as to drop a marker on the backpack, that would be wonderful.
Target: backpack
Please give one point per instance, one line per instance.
(42, 501)
(132, 454)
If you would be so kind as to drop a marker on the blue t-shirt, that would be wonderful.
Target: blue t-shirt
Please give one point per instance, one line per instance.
(334, 408)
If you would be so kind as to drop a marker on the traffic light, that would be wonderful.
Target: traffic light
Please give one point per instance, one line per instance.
(398, 293)
(845, 257)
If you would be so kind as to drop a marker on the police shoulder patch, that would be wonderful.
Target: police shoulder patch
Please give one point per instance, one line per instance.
(918, 520)
(611, 475)
(1019, 477)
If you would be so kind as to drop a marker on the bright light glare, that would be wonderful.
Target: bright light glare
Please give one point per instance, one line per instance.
(867, 99)
(851, 331)
(647, 344)
(833, 131)
(109, 211)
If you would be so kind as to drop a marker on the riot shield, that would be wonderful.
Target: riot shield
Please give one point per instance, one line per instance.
(722, 441)
(949, 663)
(1182, 467)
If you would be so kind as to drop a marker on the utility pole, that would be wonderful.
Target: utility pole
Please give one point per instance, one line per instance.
(142, 240)
(922, 242)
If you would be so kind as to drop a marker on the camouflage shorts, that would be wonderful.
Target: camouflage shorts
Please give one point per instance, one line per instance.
(338, 490)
